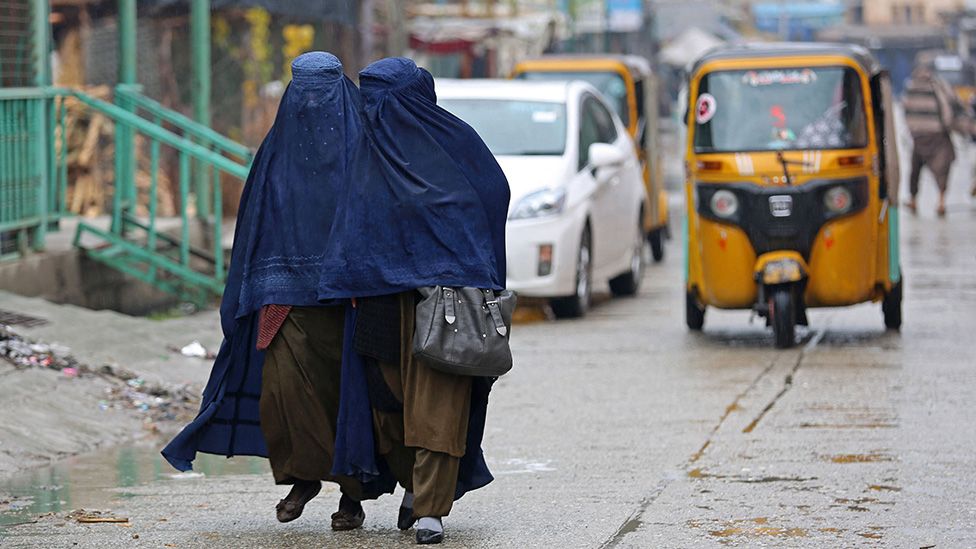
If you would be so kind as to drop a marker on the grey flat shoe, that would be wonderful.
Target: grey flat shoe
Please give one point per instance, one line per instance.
(429, 537)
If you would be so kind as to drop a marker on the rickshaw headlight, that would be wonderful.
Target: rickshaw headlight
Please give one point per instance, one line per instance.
(724, 203)
(838, 200)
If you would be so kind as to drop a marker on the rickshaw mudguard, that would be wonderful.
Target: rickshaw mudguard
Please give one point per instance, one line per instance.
(726, 259)
(780, 267)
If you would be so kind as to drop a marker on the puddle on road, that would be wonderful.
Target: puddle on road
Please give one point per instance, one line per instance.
(98, 480)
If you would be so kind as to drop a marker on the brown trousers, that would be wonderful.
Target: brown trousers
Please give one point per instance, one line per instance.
(424, 444)
(935, 151)
(300, 397)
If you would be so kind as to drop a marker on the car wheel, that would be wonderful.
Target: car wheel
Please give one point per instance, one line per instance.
(575, 306)
(629, 283)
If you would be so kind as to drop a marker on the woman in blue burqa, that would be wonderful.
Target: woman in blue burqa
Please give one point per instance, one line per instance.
(428, 207)
(275, 387)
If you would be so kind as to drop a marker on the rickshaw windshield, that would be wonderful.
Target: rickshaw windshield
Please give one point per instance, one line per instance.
(779, 109)
(610, 84)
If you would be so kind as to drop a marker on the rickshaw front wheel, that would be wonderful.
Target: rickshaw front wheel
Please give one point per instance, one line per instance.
(694, 313)
(782, 315)
(891, 306)
(656, 240)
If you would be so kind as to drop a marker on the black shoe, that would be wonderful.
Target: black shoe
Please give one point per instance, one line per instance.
(406, 519)
(429, 537)
(349, 516)
(301, 493)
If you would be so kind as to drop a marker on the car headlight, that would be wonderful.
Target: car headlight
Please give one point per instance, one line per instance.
(724, 203)
(838, 200)
(540, 204)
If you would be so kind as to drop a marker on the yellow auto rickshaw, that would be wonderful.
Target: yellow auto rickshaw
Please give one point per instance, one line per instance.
(631, 89)
(792, 182)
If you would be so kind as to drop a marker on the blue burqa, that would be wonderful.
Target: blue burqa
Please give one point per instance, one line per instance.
(428, 207)
(287, 208)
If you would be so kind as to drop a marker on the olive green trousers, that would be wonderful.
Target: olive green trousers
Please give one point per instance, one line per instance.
(423, 445)
(300, 397)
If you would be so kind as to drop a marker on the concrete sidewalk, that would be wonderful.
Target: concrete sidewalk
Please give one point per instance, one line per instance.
(47, 415)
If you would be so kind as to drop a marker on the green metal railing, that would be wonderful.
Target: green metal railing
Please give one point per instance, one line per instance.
(136, 245)
(33, 171)
(34, 150)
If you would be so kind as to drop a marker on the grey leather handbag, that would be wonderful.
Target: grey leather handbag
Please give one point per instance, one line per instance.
(465, 331)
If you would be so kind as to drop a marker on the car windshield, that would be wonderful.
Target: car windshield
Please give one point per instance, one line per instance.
(514, 127)
(610, 84)
(779, 109)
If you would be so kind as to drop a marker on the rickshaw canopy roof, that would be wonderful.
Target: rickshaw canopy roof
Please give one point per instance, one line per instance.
(766, 50)
(635, 64)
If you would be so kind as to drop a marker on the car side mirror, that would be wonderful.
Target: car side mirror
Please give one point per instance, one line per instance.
(605, 155)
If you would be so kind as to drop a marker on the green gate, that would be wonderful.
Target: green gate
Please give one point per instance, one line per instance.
(31, 197)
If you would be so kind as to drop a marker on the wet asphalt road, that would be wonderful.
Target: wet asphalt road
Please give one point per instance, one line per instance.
(625, 430)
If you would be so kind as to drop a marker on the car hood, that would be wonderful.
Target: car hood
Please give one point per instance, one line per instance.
(528, 174)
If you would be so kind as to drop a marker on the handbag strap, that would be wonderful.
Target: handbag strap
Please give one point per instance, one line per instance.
(491, 301)
(450, 315)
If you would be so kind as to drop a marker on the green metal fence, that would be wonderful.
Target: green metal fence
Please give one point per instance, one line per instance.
(28, 194)
(33, 176)
(17, 44)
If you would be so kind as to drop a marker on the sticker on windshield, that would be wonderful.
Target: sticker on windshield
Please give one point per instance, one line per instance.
(705, 109)
(785, 76)
(545, 117)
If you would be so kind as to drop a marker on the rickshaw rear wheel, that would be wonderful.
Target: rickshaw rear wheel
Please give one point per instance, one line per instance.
(782, 313)
(694, 313)
(891, 306)
(656, 240)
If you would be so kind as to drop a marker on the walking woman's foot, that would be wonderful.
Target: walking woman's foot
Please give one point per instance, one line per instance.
(349, 516)
(911, 205)
(972, 192)
(941, 210)
(301, 493)
(405, 518)
(430, 530)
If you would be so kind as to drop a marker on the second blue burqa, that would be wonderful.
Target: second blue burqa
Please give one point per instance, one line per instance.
(427, 207)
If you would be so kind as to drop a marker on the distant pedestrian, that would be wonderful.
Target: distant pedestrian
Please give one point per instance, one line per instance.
(930, 110)
(429, 209)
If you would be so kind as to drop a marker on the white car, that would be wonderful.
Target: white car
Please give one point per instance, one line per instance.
(575, 217)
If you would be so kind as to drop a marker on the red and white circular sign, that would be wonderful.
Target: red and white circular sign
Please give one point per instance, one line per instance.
(705, 109)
